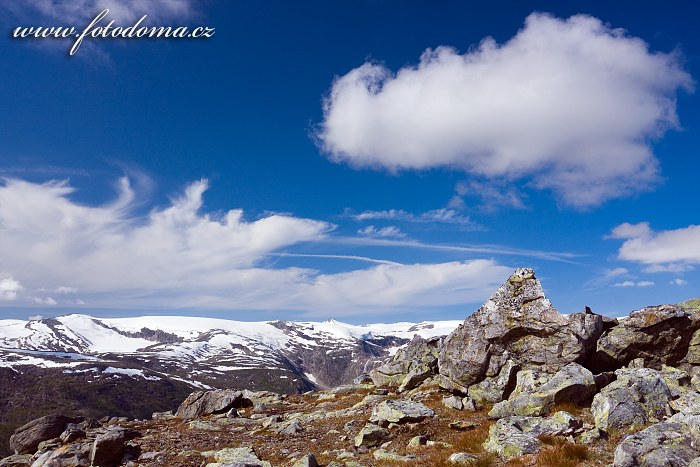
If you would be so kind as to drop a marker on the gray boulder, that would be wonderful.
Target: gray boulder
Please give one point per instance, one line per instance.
(658, 334)
(26, 438)
(400, 411)
(517, 436)
(73, 455)
(371, 436)
(662, 444)
(219, 401)
(410, 366)
(639, 396)
(496, 388)
(518, 323)
(573, 384)
(108, 447)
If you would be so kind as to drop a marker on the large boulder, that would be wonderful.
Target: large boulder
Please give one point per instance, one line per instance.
(26, 438)
(666, 443)
(639, 396)
(516, 323)
(410, 366)
(516, 436)
(400, 411)
(572, 384)
(71, 455)
(494, 389)
(659, 335)
(201, 403)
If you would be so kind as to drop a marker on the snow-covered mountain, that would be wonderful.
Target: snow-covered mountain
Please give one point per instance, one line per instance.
(204, 352)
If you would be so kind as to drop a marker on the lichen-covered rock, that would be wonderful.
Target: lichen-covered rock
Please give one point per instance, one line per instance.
(639, 396)
(516, 436)
(370, 436)
(390, 456)
(658, 334)
(529, 381)
(400, 411)
(688, 403)
(669, 444)
(410, 366)
(518, 323)
(453, 402)
(462, 458)
(219, 401)
(235, 456)
(494, 389)
(573, 384)
(26, 438)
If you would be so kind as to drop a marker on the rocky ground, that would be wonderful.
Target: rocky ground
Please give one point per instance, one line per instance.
(517, 384)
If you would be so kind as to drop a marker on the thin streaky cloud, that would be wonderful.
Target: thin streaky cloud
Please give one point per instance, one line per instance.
(565, 257)
(351, 257)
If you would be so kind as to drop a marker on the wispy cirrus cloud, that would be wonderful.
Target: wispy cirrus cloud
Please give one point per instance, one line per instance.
(568, 105)
(58, 252)
(634, 284)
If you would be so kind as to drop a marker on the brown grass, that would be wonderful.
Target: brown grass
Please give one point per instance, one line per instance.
(562, 455)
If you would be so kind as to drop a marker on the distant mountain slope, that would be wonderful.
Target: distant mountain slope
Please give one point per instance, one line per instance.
(134, 366)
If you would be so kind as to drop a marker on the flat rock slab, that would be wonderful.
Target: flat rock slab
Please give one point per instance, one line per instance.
(400, 411)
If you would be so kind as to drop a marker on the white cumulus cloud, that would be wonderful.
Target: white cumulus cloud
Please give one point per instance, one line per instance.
(663, 251)
(9, 288)
(570, 105)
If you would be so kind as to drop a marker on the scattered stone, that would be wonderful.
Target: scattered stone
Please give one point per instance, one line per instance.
(219, 401)
(72, 434)
(417, 441)
(461, 425)
(638, 397)
(163, 415)
(590, 436)
(453, 402)
(26, 438)
(384, 455)
(289, 429)
(462, 458)
(400, 411)
(74, 455)
(244, 456)
(308, 460)
(371, 436)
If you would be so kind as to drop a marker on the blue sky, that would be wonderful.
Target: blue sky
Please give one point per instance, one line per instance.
(366, 161)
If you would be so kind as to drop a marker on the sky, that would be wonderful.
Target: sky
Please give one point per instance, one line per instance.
(367, 161)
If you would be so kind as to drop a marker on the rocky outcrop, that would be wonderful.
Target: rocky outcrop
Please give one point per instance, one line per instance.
(26, 438)
(658, 334)
(201, 403)
(517, 323)
(410, 366)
